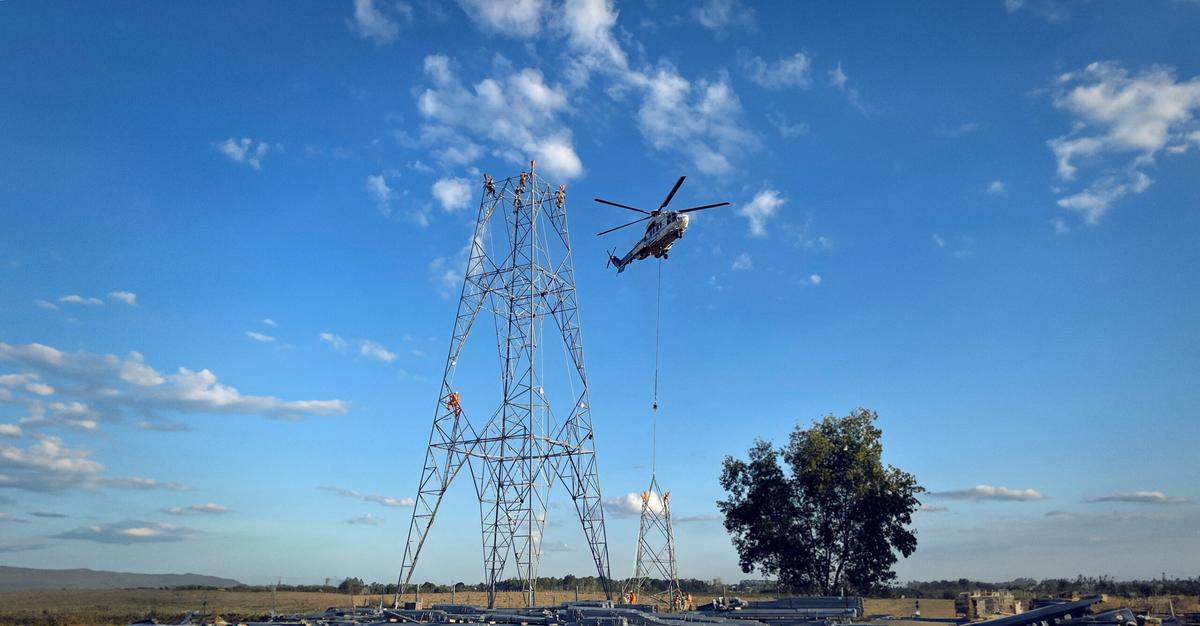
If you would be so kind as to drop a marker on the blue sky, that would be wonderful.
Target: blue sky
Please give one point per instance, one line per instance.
(231, 242)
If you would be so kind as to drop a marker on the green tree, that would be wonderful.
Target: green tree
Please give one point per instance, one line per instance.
(833, 520)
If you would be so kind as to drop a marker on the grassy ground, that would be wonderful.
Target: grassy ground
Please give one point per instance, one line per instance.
(66, 607)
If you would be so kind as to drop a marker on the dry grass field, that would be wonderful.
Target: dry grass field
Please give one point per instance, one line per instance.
(67, 607)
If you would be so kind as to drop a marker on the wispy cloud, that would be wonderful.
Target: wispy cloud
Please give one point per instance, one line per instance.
(722, 15)
(997, 189)
(789, 71)
(1141, 497)
(259, 336)
(78, 299)
(379, 23)
(209, 508)
(129, 532)
(742, 262)
(125, 297)
(244, 150)
(376, 351)
(519, 18)
(365, 520)
(387, 501)
(704, 518)
(989, 492)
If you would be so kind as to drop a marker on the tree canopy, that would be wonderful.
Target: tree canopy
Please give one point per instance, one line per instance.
(822, 514)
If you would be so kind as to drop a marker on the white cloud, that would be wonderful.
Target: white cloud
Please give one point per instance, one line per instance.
(244, 150)
(837, 77)
(270, 322)
(10, 430)
(379, 23)
(378, 188)
(372, 350)
(989, 492)
(1141, 497)
(1094, 202)
(43, 304)
(127, 297)
(763, 207)
(111, 385)
(814, 279)
(743, 262)
(719, 15)
(367, 520)
(259, 336)
(452, 193)
(939, 241)
(786, 128)
(630, 504)
(78, 299)
(589, 31)
(518, 18)
(700, 121)
(446, 275)
(839, 80)
(702, 518)
(1012, 6)
(28, 381)
(377, 499)
(209, 508)
(389, 501)
(129, 532)
(1117, 113)
(49, 465)
(518, 114)
(337, 342)
(790, 71)
(997, 188)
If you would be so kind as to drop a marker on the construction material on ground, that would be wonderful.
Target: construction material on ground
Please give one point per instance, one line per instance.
(984, 604)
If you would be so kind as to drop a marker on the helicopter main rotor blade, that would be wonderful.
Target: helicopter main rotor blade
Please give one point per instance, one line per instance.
(623, 206)
(624, 225)
(672, 194)
(701, 208)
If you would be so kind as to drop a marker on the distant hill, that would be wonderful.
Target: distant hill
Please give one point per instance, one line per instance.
(17, 578)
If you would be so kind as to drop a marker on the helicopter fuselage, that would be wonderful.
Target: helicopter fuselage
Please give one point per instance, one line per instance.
(661, 233)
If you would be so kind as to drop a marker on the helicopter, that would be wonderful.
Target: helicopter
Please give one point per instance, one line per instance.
(662, 231)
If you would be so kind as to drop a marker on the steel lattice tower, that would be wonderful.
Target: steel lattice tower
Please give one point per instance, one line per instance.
(517, 453)
(656, 549)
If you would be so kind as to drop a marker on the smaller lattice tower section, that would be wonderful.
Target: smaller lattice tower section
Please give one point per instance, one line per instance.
(655, 553)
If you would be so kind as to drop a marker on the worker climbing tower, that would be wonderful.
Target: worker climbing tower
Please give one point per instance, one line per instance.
(656, 538)
(521, 272)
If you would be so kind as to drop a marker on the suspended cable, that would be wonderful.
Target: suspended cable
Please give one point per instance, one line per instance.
(654, 405)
